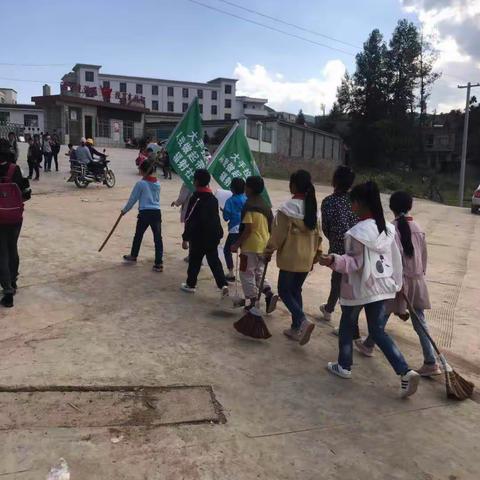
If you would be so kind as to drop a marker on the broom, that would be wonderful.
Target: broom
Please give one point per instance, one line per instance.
(458, 387)
(111, 232)
(252, 324)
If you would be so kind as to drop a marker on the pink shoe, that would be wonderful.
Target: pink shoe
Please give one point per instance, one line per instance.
(429, 370)
(363, 349)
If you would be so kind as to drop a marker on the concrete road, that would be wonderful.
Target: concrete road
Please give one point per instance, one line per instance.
(85, 319)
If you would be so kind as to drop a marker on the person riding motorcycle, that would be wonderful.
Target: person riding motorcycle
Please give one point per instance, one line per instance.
(95, 167)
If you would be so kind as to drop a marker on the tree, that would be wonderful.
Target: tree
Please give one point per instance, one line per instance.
(300, 120)
(344, 103)
(403, 68)
(369, 91)
(428, 77)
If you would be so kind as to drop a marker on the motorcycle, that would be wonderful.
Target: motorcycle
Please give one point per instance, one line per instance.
(82, 175)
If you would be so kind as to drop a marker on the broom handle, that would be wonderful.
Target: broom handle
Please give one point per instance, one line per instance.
(415, 318)
(111, 232)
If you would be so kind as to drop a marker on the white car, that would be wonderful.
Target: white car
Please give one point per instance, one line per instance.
(476, 200)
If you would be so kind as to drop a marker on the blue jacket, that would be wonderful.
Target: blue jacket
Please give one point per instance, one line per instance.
(147, 193)
(232, 213)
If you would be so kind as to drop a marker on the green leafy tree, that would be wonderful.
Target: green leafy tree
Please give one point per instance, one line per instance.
(345, 98)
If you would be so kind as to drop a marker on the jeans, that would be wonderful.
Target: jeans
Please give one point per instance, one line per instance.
(55, 159)
(335, 284)
(47, 164)
(290, 291)
(9, 260)
(33, 165)
(152, 219)
(375, 313)
(195, 257)
(427, 348)
(231, 239)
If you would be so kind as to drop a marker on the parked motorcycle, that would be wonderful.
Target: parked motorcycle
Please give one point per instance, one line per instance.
(82, 175)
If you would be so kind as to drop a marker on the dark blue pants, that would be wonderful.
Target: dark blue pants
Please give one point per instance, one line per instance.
(290, 291)
(231, 239)
(375, 313)
(152, 219)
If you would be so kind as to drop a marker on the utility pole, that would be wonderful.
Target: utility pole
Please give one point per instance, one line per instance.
(461, 190)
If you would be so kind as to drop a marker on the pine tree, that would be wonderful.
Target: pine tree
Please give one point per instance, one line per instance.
(345, 103)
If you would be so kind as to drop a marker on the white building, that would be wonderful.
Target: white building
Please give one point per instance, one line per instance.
(217, 97)
(8, 95)
(250, 107)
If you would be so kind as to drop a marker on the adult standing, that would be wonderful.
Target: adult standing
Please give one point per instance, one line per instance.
(34, 157)
(10, 220)
(55, 144)
(47, 153)
(12, 139)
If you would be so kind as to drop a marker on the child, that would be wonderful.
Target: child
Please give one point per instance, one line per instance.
(255, 227)
(410, 239)
(232, 213)
(147, 193)
(337, 219)
(296, 237)
(372, 274)
(34, 157)
(202, 234)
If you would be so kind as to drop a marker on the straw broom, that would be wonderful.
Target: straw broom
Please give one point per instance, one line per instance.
(458, 388)
(252, 324)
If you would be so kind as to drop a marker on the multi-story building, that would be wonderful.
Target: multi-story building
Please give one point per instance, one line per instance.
(216, 97)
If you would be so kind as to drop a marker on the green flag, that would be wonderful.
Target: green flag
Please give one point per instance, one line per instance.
(185, 145)
(233, 159)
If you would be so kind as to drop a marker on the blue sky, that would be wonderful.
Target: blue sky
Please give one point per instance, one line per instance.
(180, 40)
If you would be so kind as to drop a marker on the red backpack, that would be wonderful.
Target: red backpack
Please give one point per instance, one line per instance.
(11, 202)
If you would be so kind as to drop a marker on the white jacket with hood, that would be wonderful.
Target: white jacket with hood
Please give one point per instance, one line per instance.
(371, 266)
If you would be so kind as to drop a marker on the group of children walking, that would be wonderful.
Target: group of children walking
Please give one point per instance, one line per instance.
(374, 264)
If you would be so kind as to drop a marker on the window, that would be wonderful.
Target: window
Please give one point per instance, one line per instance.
(170, 107)
(154, 89)
(201, 108)
(185, 92)
(430, 141)
(106, 84)
(184, 107)
(30, 120)
(127, 129)
(228, 89)
(139, 88)
(245, 105)
(228, 116)
(103, 126)
(200, 93)
(89, 76)
(123, 87)
(4, 117)
(228, 103)
(154, 104)
(170, 92)
(214, 94)
(213, 110)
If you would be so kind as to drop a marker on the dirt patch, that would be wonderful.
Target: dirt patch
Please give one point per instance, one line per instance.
(73, 407)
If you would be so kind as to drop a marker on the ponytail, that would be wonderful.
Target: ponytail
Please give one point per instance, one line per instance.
(303, 185)
(368, 195)
(401, 204)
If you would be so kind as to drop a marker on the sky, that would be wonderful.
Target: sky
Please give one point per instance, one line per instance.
(183, 40)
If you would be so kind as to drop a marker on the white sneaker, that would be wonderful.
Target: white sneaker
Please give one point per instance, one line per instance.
(305, 331)
(327, 316)
(186, 288)
(336, 369)
(409, 384)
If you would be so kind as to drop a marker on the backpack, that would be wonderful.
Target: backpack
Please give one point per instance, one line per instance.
(11, 202)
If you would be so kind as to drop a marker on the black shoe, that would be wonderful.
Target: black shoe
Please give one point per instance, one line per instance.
(7, 300)
(230, 278)
(29, 178)
(271, 301)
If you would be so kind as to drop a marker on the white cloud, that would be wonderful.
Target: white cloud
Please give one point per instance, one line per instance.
(291, 96)
(455, 24)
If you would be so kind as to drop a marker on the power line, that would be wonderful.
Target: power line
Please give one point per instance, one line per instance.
(34, 64)
(270, 27)
(30, 81)
(279, 20)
